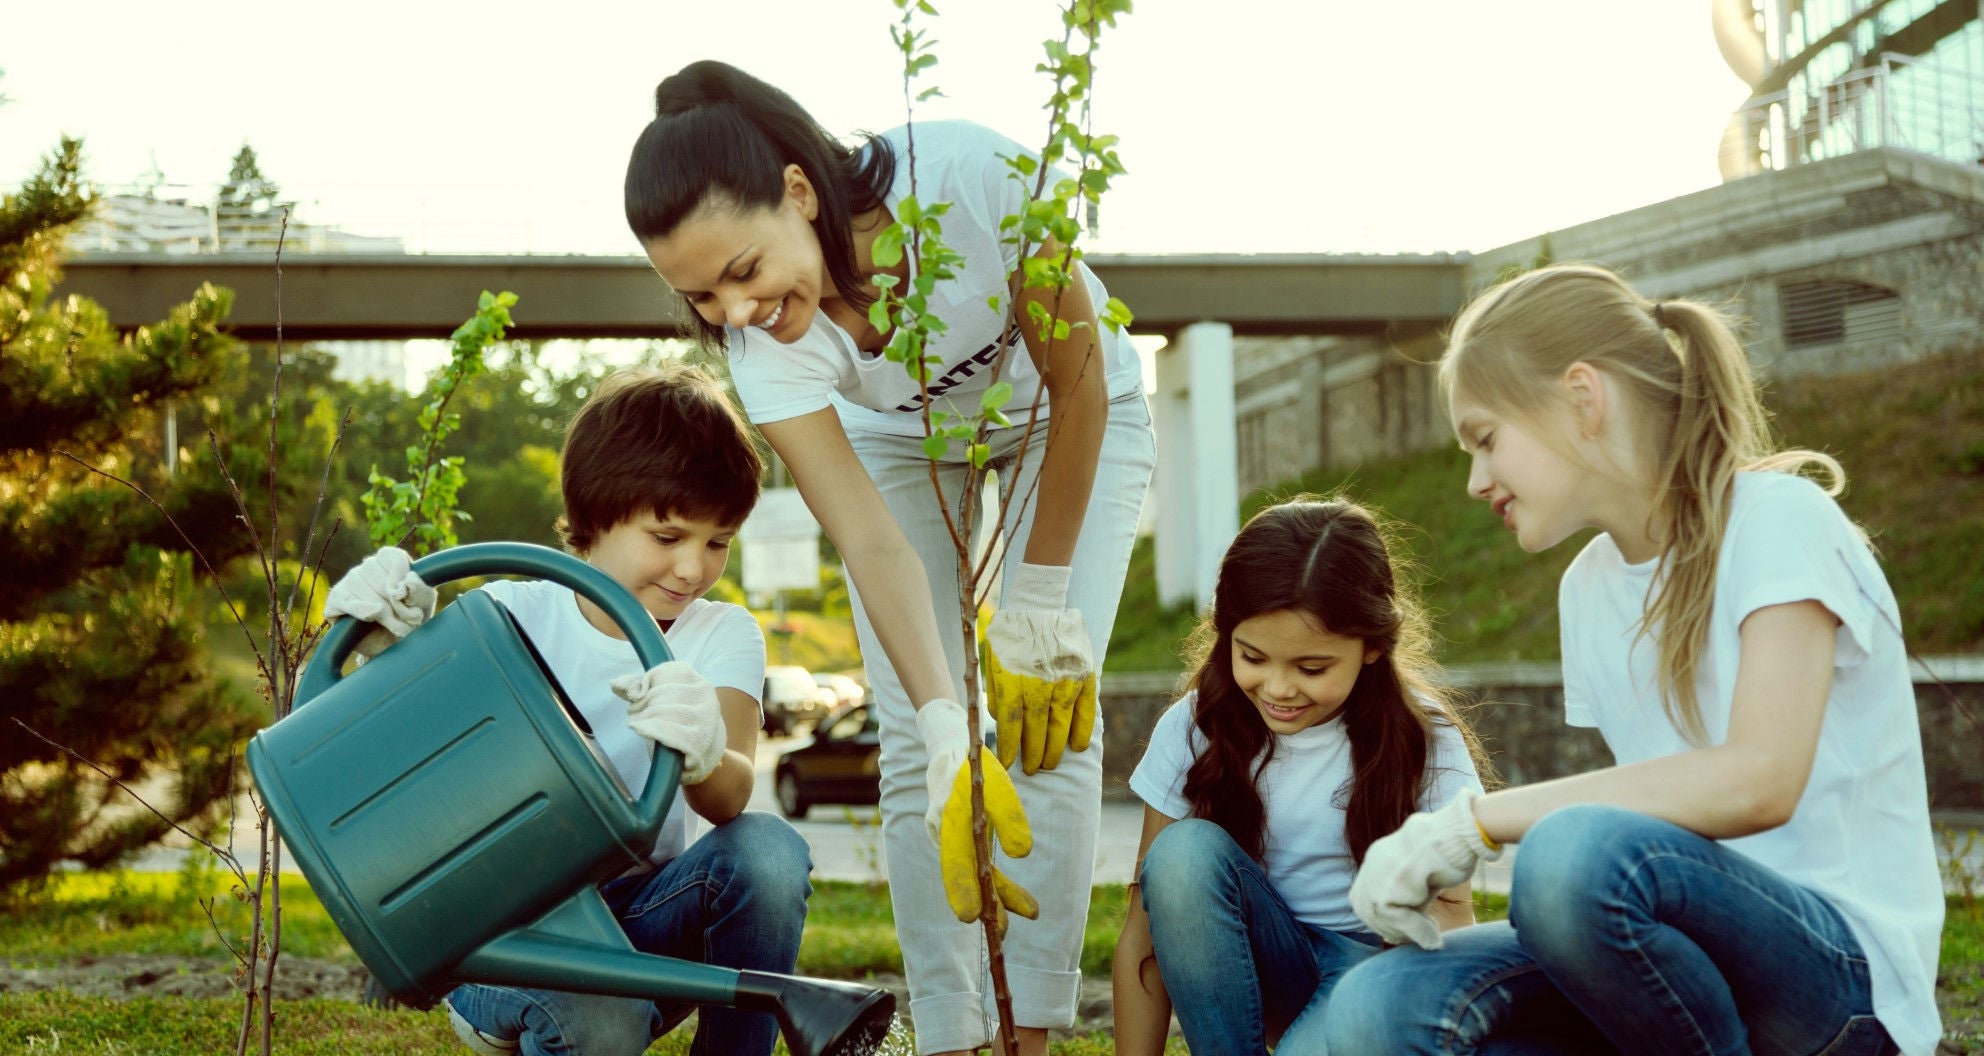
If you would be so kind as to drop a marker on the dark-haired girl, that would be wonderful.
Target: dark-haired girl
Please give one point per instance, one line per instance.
(1313, 726)
(766, 226)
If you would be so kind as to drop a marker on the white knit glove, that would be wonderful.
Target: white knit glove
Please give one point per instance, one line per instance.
(382, 590)
(941, 723)
(674, 705)
(1403, 872)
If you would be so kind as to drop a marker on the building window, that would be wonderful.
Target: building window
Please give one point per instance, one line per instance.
(1828, 312)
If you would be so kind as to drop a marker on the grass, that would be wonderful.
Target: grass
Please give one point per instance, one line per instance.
(1907, 435)
(54, 1022)
(850, 933)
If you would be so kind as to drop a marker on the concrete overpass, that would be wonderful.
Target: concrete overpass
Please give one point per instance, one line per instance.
(365, 297)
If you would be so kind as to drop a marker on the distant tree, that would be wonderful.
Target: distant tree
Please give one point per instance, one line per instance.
(248, 211)
(101, 644)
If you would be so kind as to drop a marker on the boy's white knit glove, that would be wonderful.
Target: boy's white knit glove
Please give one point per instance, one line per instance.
(1403, 872)
(941, 724)
(674, 705)
(1039, 674)
(382, 590)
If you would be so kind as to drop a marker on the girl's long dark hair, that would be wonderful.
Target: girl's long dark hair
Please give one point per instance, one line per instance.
(720, 131)
(1329, 561)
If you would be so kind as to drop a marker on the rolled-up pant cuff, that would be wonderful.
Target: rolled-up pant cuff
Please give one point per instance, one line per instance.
(1041, 998)
(946, 1022)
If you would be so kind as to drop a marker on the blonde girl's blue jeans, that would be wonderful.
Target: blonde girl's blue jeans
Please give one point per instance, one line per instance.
(950, 993)
(1626, 934)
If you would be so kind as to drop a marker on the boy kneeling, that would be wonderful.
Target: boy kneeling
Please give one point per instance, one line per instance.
(658, 473)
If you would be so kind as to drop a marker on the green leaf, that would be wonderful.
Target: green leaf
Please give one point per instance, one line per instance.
(933, 447)
(887, 249)
(995, 397)
(928, 94)
(878, 317)
(980, 454)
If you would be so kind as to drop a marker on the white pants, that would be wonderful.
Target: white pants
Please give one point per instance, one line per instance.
(950, 991)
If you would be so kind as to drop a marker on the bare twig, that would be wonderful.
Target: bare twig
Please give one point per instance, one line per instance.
(218, 852)
(212, 574)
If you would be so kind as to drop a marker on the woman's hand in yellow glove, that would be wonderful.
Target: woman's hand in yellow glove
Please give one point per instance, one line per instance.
(1039, 671)
(957, 854)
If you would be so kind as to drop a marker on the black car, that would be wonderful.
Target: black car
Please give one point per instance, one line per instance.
(839, 763)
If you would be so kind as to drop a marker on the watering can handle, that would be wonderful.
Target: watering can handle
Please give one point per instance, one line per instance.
(528, 559)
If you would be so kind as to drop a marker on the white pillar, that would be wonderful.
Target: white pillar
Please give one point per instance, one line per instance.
(1197, 462)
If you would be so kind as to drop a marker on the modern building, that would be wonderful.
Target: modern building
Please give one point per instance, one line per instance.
(1831, 77)
(1849, 231)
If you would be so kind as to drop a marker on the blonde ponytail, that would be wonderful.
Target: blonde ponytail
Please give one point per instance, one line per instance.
(1700, 418)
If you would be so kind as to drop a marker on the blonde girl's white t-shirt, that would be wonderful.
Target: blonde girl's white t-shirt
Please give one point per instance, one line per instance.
(1860, 835)
(721, 641)
(1304, 790)
(956, 162)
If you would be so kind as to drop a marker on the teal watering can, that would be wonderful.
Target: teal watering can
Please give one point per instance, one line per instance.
(447, 805)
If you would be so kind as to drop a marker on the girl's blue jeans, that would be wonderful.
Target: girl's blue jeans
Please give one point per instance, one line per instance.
(736, 898)
(1237, 963)
(1625, 934)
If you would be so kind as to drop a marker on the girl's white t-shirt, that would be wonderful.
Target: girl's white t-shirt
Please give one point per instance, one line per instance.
(956, 162)
(1860, 835)
(721, 641)
(1304, 790)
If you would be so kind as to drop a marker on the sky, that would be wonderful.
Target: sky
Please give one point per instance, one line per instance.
(1247, 126)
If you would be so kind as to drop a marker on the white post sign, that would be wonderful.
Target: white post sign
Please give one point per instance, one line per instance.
(781, 544)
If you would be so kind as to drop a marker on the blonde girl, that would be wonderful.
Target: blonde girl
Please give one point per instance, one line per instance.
(1755, 874)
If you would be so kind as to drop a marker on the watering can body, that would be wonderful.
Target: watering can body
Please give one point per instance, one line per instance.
(446, 792)
(449, 809)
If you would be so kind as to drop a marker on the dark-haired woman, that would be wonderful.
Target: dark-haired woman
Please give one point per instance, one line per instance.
(1313, 727)
(765, 225)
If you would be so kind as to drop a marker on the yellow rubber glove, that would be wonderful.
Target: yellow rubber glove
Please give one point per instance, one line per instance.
(958, 856)
(1038, 671)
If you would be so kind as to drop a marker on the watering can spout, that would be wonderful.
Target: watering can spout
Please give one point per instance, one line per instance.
(817, 1017)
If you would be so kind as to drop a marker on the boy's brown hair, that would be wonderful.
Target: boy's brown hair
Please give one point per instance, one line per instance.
(663, 439)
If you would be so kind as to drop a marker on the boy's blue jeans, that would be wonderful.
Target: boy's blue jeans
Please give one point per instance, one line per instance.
(736, 898)
(1625, 934)
(1237, 963)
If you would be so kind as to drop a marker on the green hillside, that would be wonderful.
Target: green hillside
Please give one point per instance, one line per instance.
(1912, 441)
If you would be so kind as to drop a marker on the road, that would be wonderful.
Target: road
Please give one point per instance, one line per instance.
(847, 845)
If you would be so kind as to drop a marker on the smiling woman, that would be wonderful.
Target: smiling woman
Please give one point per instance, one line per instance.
(767, 227)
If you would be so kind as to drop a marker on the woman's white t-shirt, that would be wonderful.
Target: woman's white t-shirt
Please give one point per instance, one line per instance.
(956, 162)
(721, 641)
(1860, 835)
(1304, 790)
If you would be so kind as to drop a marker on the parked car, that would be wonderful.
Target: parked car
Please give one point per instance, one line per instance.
(845, 690)
(840, 762)
(792, 697)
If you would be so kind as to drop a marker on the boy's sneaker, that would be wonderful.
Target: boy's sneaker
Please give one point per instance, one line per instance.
(479, 1043)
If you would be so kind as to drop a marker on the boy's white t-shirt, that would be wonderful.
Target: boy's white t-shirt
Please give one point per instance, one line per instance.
(1304, 790)
(957, 162)
(1860, 835)
(721, 641)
